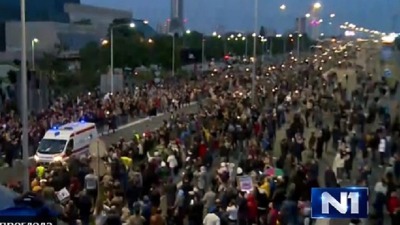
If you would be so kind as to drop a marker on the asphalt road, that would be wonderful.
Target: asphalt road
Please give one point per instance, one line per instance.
(377, 172)
(15, 173)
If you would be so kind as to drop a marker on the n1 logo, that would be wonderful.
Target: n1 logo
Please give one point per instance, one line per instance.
(339, 203)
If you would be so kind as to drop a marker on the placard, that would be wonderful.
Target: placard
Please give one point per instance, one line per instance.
(63, 195)
(245, 183)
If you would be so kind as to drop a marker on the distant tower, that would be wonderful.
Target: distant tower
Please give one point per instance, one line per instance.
(177, 20)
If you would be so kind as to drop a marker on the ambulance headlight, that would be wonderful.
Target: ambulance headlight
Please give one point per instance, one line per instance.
(36, 158)
(57, 159)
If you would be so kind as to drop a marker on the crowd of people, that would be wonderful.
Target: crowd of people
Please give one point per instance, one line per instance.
(230, 163)
(107, 111)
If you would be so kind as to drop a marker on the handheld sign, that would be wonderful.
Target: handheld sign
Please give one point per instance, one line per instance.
(63, 195)
(245, 183)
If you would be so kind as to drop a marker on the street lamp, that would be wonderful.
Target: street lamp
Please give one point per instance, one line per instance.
(214, 34)
(331, 16)
(282, 7)
(246, 44)
(33, 43)
(112, 27)
(24, 100)
(253, 75)
(188, 31)
(308, 15)
(317, 6)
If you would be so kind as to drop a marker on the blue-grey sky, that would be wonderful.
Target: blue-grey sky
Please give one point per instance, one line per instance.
(207, 15)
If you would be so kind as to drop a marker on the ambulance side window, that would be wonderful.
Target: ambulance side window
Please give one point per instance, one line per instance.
(70, 147)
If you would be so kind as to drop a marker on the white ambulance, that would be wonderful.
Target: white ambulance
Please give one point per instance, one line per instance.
(61, 142)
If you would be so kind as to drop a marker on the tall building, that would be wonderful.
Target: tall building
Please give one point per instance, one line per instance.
(301, 25)
(177, 20)
(36, 10)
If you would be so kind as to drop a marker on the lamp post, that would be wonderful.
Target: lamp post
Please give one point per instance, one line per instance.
(173, 54)
(315, 8)
(307, 15)
(246, 46)
(330, 24)
(33, 43)
(299, 36)
(253, 75)
(203, 57)
(112, 27)
(24, 100)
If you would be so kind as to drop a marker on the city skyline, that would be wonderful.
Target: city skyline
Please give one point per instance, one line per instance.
(207, 15)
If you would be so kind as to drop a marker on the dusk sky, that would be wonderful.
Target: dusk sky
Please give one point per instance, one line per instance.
(207, 15)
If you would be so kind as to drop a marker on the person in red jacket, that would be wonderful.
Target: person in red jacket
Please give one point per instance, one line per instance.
(393, 207)
(202, 150)
(252, 209)
(273, 215)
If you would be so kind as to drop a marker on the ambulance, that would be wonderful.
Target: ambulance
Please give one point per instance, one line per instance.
(59, 143)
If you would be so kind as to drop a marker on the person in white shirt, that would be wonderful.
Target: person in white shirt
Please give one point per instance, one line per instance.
(91, 185)
(382, 150)
(232, 211)
(172, 163)
(211, 218)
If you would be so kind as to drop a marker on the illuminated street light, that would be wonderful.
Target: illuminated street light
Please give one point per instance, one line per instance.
(112, 27)
(104, 42)
(188, 31)
(33, 45)
(332, 15)
(214, 33)
(282, 7)
(317, 5)
(308, 15)
(150, 41)
(254, 35)
(146, 22)
(239, 35)
(219, 36)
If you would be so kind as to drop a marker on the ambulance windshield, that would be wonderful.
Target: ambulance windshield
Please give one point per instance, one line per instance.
(51, 146)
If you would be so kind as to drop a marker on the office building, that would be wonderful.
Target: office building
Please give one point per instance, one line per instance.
(301, 25)
(176, 21)
(59, 25)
